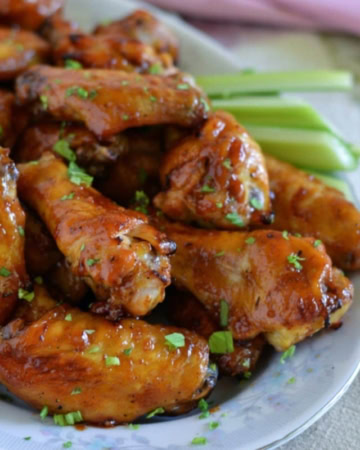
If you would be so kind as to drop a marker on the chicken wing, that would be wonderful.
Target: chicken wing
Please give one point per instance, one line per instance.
(6, 110)
(20, 49)
(29, 312)
(111, 372)
(216, 177)
(109, 101)
(144, 27)
(28, 14)
(12, 221)
(187, 312)
(122, 258)
(279, 285)
(303, 204)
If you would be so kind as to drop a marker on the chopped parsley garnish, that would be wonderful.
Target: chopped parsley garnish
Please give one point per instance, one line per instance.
(206, 104)
(235, 219)
(68, 196)
(246, 363)
(224, 313)
(92, 261)
(285, 235)
(289, 353)
(141, 201)
(26, 295)
(133, 426)
(222, 253)
(44, 102)
(256, 203)
(27, 438)
(70, 418)
(44, 412)
(199, 441)
(247, 375)
(128, 351)
(219, 205)
(153, 98)
(72, 64)
(62, 148)
(295, 259)
(298, 235)
(227, 164)
(125, 117)
(78, 176)
(175, 340)
(21, 231)
(94, 349)
(39, 280)
(112, 361)
(155, 412)
(4, 272)
(203, 405)
(82, 248)
(251, 240)
(204, 415)
(183, 86)
(213, 425)
(291, 380)
(68, 317)
(221, 342)
(76, 391)
(92, 94)
(207, 188)
(155, 69)
(89, 332)
(317, 243)
(33, 163)
(67, 444)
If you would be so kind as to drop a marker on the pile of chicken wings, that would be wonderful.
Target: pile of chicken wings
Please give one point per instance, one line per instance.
(116, 181)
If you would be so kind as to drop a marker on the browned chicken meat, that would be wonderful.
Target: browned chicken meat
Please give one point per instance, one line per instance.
(6, 111)
(303, 204)
(144, 27)
(29, 312)
(273, 283)
(110, 373)
(12, 222)
(28, 14)
(109, 101)
(122, 258)
(187, 312)
(216, 177)
(20, 49)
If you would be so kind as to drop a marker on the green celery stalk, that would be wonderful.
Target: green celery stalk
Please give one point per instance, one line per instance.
(232, 84)
(336, 183)
(312, 149)
(355, 149)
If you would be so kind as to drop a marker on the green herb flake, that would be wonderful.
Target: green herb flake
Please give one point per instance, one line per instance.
(247, 375)
(94, 349)
(235, 219)
(175, 340)
(124, 83)
(285, 235)
(26, 295)
(256, 203)
(21, 231)
(112, 361)
(218, 254)
(76, 90)
(199, 441)
(68, 317)
(93, 94)
(155, 412)
(33, 163)
(155, 69)
(295, 259)
(89, 332)
(298, 235)
(221, 342)
(128, 351)
(207, 188)
(289, 353)
(57, 81)
(224, 313)
(44, 412)
(317, 243)
(227, 164)
(76, 391)
(92, 261)
(70, 418)
(68, 196)
(250, 241)
(205, 104)
(39, 280)
(63, 149)
(72, 64)
(204, 415)
(67, 444)
(219, 205)
(19, 47)
(4, 272)
(291, 380)
(203, 405)
(82, 248)
(213, 425)
(27, 438)
(246, 363)
(153, 98)
(142, 175)
(78, 176)
(125, 117)
(141, 201)
(133, 426)
(182, 86)
(44, 102)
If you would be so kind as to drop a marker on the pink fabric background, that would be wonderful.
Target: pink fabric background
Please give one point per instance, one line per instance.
(341, 15)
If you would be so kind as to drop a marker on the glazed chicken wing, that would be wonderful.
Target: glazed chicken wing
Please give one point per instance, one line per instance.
(303, 204)
(187, 312)
(12, 222)
(6, 110)
(119, 372)
(122, 258)
(284, 287)
(216, 177)
(20, 49)
(109, 101)
(28, 14)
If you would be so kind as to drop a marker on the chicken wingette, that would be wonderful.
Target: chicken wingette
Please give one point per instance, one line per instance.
(303, 204)
(73, 361)
(215, 177)
(110, 101)
(12, 222)
(274, 283)
(120, 256)
(187, 312)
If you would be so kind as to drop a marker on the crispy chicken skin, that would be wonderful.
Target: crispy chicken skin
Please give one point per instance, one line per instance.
(20, 49)
(28, 14)
(216, 177)
(122, 258)
(144, 27)
(12, 222)
(256, 274)
(187, 312)
(56, 356)
(110, 101)
(303, 204)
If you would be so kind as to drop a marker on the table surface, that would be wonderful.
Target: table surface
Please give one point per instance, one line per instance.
(273, 49)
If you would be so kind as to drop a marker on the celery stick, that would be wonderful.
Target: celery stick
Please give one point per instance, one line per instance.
(312, 149)
(273, 111)
(355, 149)
(228, 85)
(336, 183)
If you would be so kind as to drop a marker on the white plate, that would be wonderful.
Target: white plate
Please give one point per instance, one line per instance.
(265, 412)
